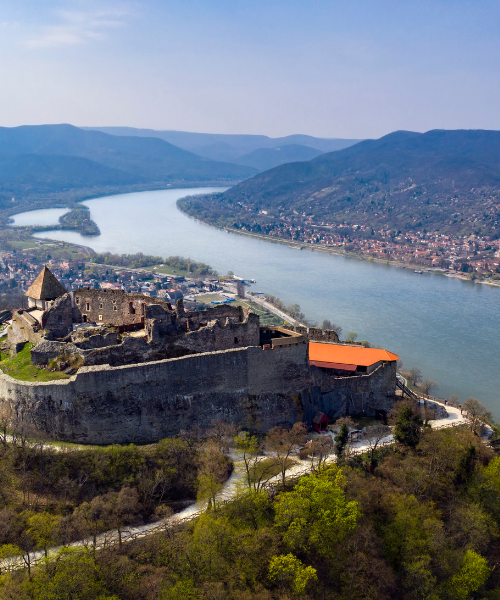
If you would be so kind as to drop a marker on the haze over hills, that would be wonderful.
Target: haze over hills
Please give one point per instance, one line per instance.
(231, 147)
(65, 162)
(264, 159)
(440, 180)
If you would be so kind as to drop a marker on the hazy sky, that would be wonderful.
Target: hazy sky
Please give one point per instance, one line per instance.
(333, 68)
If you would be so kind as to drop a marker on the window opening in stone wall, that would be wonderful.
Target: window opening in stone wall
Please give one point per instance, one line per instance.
(100, 305)
(131, 308)
(87, 306)
(115, 307)
(84, 318)
(100, 317)
(78, 300)
(236, 340)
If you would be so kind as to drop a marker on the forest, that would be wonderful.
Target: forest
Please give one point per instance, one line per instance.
(418, 519)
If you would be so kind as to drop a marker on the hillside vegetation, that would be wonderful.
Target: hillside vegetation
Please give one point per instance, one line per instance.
(46, 164)
(446, 181)
(423, 524)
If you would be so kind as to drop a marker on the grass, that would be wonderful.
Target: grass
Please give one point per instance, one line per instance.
(20, 367)
(266, 317)
(22, 244)
(166, 270)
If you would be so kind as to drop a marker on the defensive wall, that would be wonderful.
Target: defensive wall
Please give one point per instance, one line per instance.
(149, 401)
(252, 387)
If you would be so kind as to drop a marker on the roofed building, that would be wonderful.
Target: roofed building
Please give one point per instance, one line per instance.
(45, 289)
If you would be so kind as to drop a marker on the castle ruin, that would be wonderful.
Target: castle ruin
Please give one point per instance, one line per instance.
(141, 369)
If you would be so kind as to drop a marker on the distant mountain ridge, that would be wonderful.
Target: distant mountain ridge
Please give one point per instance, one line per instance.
(230, 147)
(264, 159)
(65, 162)
(439, 180)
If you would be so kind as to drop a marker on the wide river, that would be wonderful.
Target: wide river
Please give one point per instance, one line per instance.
(448, 328)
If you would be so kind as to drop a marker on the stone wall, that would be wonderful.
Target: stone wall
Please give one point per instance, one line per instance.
(251, 387)
(315, 334)
(57, 321)
(143, 403)
(356, 395)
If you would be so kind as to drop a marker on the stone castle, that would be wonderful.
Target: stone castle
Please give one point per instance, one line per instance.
(141, 369)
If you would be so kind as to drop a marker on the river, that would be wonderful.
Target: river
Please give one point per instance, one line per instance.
(447, 327)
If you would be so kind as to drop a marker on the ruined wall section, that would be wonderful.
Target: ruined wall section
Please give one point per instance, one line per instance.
(110, 306)
(315, 334)
(357, 395)
(57, 321)
(144, 403)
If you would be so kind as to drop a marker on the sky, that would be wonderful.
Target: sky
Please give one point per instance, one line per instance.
(328, 68)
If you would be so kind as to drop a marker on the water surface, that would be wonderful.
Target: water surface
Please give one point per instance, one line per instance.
(448, 328)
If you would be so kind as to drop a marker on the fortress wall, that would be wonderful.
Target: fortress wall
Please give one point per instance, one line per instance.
(360, 395)
(149, 401)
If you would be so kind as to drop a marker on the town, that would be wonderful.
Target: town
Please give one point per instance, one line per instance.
(195, 283)
(471, 256)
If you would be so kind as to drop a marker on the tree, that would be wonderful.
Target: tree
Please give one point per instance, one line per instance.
(289, 572)
(477, 414)
(71, 574)
(120, 509)
(341, 443)
(257, 467)
(408, 426)
(284, 442)
(316, 514)
(373, 435)
(427, 385)
(351, 336)
(415, 375)
(473, 575)
(320, 449)
(41, 528)
(328, 325)
(222, 434)
(454, 400)
(8, 554)
(212, 472)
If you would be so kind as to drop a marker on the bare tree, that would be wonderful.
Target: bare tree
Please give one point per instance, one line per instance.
(284, 442)
(222, 434)
(415, 375)
(328, 325)
(372, 436)
(477, 415)
(427, 385)
(454, 400)
(319, 449)
(259, 469)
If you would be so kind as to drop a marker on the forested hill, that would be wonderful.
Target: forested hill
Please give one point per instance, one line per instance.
(446, 181)
(48, 162)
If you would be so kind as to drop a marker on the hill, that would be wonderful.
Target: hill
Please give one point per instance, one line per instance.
(264, 159)
(66, 162)
(446, 181)
(228, 147)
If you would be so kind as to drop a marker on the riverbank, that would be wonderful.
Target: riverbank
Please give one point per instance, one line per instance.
(335, 251)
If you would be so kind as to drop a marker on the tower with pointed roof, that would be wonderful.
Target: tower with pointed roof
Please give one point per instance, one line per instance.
(45, 289)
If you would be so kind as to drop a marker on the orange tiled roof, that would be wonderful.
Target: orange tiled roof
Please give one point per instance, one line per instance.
(349, 355)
